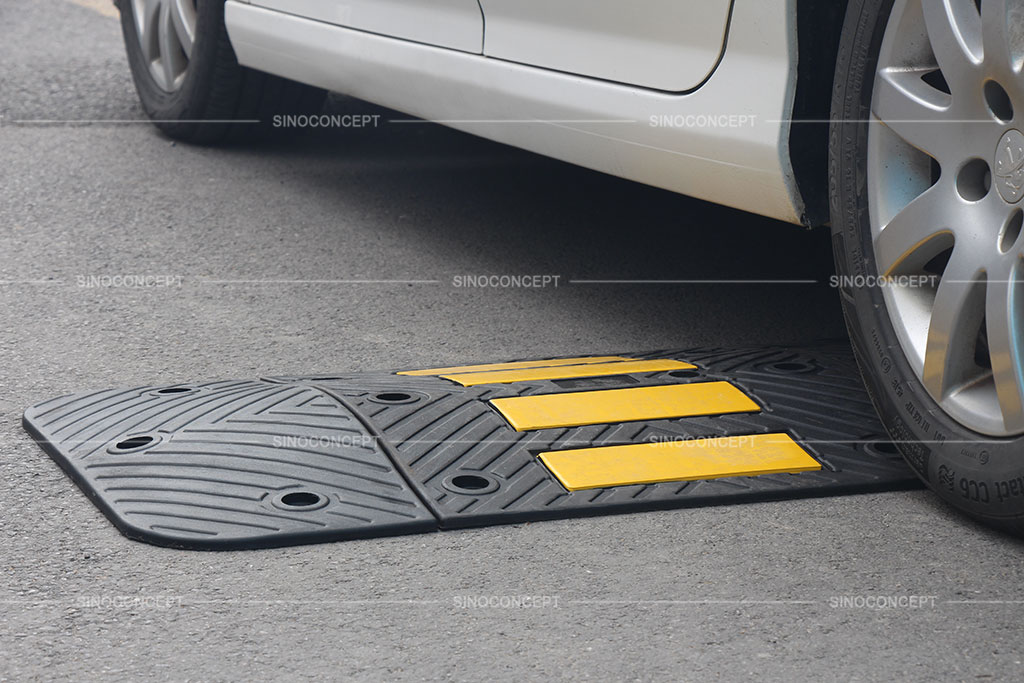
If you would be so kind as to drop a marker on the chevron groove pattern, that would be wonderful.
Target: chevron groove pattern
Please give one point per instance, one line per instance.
(286, 460)
(226, 457)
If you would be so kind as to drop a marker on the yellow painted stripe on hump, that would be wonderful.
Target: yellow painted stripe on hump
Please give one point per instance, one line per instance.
(650, 463)
(545, 411)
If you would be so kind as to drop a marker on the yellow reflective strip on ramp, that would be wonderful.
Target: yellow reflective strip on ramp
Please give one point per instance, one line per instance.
(567, 372)
(623, 405)
(512, 366)
(650, 463)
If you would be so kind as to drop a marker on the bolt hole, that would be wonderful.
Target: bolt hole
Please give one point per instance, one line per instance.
(974, 180)
(1011, 231)
(393, 397)
(791, 367)
(301, 499)
(886, 447)
(174, 390)
(998, 101)
(134, 442)
(468, 483)
(683, 374)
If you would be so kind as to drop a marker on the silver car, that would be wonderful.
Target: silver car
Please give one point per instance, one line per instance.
(898, 123)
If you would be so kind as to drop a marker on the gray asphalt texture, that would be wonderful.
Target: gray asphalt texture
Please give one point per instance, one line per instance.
(719, 593)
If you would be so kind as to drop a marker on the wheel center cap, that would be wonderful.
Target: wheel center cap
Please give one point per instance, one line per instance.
(1008, 170)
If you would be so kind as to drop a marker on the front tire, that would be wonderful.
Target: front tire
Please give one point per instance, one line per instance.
(926, 179)
(188, 77)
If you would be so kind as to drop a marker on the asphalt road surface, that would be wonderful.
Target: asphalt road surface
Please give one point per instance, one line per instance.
(713, 593)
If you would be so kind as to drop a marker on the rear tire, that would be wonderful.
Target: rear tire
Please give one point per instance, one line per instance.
(972, 460)
(189, 80)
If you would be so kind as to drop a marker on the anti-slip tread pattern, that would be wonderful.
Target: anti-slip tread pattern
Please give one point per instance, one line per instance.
(815, 396)
(227, 450)
(225, 454)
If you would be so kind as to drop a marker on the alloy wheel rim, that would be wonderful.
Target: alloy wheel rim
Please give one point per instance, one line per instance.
(166, 31)
(945, 174)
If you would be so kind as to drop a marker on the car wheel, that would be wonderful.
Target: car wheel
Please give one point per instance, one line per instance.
(926, 181)
(189, 80)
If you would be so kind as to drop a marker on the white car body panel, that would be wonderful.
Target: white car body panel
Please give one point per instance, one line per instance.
(730, 145)
(668, 45)
(455, 24)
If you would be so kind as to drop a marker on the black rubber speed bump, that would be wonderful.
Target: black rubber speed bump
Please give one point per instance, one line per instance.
(288, 460)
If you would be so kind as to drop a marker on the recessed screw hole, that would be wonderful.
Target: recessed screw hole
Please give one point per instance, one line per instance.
(998, 101)
(1012, 231)
(974, 180)
(301, 499)
(134, 442)
(791, 367)
(392, 397)
(470, 482)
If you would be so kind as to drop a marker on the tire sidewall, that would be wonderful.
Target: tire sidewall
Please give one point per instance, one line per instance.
(976, 473)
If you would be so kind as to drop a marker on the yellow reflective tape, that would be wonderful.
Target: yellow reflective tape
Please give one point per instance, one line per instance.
(513, 366)
(650, 463)
(567, 372)
(623, 405)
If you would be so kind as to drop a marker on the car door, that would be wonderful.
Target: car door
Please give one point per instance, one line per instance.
(455, 24)
(670, 45)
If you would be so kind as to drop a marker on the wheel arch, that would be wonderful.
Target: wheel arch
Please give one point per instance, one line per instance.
(819, 26)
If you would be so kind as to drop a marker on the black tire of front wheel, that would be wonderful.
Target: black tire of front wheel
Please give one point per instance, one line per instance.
(982, 476)
(218, 99)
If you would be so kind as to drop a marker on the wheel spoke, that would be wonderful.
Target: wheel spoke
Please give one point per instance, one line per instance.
(1002, 23)
(168, 48)
(183, 14)
(954, 30)
(913, 109)
(953, 329)
(916, 234)
(964, 339)
(146, 23)
(1003, 313)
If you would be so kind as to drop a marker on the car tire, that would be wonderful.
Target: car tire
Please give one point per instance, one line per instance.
(200, 93)
(932, 396)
